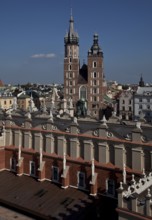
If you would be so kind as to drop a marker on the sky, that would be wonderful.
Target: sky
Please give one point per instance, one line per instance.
(32, 38)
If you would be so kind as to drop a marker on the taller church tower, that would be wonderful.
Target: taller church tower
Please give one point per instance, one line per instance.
(71, 63)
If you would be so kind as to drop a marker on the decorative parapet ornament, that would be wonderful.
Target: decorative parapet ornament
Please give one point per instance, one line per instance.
(138, 187)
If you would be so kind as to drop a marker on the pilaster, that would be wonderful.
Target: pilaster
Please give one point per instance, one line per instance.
(88, 150)
(41, 171)
(137, 159)
(93, 185)
(119, 155)
(20, 167)
(49, 143)
(61, 145)
(103, 152)
(74, 148)
(65, 178)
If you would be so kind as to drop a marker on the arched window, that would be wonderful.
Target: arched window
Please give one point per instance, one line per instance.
(83, 93)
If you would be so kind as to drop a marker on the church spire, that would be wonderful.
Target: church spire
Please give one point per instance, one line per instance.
(141, 82)
(71, 37)
(95, 49)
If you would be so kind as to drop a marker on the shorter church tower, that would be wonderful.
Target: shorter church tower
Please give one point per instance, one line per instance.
(95, 78)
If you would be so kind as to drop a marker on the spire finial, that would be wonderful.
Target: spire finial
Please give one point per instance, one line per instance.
(71, 11)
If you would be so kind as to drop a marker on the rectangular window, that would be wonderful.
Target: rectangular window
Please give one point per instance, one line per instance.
(110, 187)
(70, 82)
(81, 179)
(12, 164)
(32, 168)
(55, 173)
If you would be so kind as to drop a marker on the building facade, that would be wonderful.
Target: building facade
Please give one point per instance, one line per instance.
(126, 105)
(143, 103)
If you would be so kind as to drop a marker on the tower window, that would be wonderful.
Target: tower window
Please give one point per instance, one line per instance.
(70, 59)
(94, 64)
(69, 67)
(70, 75)
(94, 75)
(70, 91)
(94, 90)
(95, 98)
(70, 83)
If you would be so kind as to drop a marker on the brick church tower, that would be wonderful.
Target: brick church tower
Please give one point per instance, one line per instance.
(86, 85)
(71, 64)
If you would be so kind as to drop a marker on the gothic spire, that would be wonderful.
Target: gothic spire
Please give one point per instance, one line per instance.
(71, 37)
(141, 82)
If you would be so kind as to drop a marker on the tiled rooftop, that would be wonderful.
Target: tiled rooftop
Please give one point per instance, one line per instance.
(43, 200)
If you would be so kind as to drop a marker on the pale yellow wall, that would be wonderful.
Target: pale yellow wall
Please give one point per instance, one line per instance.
(6, 102)
(23, 103)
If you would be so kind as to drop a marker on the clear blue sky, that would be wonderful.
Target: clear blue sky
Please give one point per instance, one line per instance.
(32, 38)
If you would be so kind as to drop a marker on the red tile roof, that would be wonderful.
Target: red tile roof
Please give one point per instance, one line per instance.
(44, 200)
